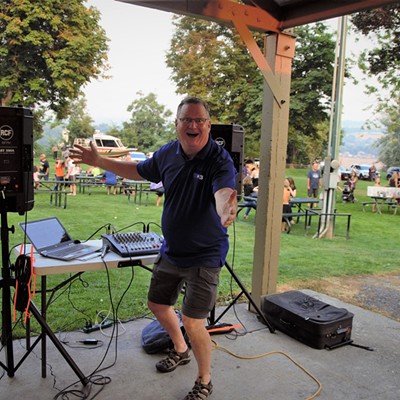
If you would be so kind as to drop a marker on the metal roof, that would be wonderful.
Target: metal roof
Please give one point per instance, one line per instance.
(264, 15)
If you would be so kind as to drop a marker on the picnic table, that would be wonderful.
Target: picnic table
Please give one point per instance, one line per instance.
(382, 195)
(55, 189)
(378, 201)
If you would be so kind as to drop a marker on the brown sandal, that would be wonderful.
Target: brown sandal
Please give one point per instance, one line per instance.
(200, 391)
(173, 360)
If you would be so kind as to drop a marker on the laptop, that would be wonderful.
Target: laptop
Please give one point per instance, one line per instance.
(50, 239)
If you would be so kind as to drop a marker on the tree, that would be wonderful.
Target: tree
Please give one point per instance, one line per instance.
(49, 49)
(149, 126)
(80, 122)
(211, 61)
(383, 61)
(389, 144)
(310, 94)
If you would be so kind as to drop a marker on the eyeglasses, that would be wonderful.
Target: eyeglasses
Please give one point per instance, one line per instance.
(198, 121)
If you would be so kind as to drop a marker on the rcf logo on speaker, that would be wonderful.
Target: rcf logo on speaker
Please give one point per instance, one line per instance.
(6, 132)
(220, 141)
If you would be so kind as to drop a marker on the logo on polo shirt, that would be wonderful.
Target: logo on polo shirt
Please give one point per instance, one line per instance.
(198, 176)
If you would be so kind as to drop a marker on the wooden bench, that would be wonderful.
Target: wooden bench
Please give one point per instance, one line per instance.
(241, 206)
(334, 215)
(57, 195)
(286, 217)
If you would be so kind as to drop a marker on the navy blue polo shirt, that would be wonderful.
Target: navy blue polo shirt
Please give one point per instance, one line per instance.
(192, 229)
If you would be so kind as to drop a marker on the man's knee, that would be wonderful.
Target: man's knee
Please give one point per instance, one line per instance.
(156, 308)
(192, 324)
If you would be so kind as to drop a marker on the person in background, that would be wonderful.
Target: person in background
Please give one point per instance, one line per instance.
(126, 188)
(110, 180)
(287, 208)
(54, 149)
(200, 204)
(372, 172)
(253, 171)
(314, 181)
(60, 171)
(250, 195)
(394, 180)
(73, 169)
(377, 183)
(36, 179)
(158, 188)
(94, 171)
(44, 167)
(292, 187)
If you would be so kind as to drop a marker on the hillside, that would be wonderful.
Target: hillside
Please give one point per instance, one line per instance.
(358, 140)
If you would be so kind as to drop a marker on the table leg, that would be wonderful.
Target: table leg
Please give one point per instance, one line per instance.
(378, 208)
(43, 312)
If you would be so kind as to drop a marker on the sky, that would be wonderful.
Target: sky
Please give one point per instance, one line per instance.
(139, 38)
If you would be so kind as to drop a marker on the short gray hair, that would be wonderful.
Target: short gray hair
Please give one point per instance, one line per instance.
(193, 100)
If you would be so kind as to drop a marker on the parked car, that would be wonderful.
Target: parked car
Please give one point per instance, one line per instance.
(390, 171)
(361, 170)
(137, 156)
(344, 173)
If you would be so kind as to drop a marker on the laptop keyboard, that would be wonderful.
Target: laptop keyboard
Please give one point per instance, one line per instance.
(68, 251)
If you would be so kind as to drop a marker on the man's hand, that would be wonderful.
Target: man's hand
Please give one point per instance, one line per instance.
(90, 156)
(226, 205)
(86, 155)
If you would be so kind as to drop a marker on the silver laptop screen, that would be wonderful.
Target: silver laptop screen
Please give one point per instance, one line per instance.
(45, 233)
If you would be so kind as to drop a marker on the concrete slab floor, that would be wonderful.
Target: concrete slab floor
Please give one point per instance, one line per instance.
(254, 365)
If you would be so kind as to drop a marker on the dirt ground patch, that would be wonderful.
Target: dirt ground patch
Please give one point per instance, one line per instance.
(378, 293)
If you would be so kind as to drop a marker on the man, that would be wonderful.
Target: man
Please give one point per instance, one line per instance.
(314, 181)
(200, 203)
(372, 172)
(44, 167)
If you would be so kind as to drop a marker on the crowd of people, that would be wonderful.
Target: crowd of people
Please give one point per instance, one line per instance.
(66, 171)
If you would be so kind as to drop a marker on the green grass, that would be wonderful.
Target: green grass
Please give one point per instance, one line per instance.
(372, 249)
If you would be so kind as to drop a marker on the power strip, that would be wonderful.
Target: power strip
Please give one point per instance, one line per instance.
(92, 328)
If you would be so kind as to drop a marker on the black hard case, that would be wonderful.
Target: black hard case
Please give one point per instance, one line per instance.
(308, 320)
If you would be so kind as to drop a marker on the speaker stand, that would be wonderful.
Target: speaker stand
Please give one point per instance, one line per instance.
(213, 320)
(6, 282)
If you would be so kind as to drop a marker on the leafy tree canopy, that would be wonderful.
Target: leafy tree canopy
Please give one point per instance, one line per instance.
(49, 49)
(211, 61)
(150, 125)
(383, 61)
(389, 144)
(80, 124)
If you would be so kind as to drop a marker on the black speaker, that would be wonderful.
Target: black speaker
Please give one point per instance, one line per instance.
(231, 137)
(16, 159)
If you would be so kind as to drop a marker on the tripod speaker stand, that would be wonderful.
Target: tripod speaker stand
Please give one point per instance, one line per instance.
(6, 283)
(244, 291)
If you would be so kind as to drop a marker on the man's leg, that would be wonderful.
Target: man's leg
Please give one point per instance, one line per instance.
(201, 345)
(170, 322)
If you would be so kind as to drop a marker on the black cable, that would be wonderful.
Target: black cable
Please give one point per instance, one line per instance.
(231, 282)
(134, 224)
(107, 226)
(92, 378)
(152, 223)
